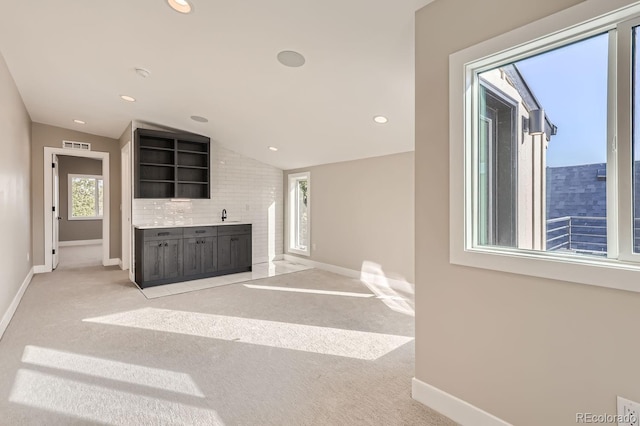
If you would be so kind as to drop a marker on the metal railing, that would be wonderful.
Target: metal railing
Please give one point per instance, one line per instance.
(580, 234)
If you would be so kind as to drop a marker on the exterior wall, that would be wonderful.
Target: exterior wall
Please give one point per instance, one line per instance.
(74, 230)
(45, 135)
(531, 351)
(531, 159)
(15, 182)
(362, 214)
(249, 190)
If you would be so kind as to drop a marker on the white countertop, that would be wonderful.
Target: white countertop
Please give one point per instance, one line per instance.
(189, 225)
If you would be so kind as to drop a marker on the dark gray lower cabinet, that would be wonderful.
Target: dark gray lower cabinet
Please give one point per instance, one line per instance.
(179, 254)
(234, 248)
(158, 255)
(234, 252)
(200, 256)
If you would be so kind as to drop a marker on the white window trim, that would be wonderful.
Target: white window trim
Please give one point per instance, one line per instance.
(587, 18)
(293, 179)
(70, 197)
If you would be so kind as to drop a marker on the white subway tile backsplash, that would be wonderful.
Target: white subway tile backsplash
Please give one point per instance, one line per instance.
(250, 191)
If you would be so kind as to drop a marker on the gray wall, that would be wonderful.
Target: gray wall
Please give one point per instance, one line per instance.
(363, 211)
(532, 351)
(74, 230)
(45, 135)
(15, 182)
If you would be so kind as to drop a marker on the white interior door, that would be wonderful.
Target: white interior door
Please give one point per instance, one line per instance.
(125, 206)
(56, 210)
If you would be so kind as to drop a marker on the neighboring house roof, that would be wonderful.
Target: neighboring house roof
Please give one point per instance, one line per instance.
(528, 97)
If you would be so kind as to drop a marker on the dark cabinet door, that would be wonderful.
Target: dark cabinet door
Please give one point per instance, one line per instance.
(192, 263)
(172, 259)
(209, 254)
(153, 263)
(224, 253)
(242, 250)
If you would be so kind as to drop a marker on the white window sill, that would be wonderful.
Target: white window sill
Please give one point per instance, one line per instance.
(603, 272)
(85, 218)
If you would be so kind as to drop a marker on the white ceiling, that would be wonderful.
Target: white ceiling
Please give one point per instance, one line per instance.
(71, 59)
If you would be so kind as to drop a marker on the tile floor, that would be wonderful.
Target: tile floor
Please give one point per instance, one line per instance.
(260, 270)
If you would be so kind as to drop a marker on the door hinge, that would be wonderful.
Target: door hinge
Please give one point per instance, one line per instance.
(53, 251)
(53, 208)
(53, 165)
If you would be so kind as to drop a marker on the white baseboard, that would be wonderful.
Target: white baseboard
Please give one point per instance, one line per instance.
(41, 269)
(111, 262)
(79, 243)
(352, 273)
(6, 318)
(456, 409)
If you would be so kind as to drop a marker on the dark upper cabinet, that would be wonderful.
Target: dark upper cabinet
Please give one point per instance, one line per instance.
(171, 165)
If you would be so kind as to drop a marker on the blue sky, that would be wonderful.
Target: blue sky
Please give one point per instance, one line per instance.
(571, 85)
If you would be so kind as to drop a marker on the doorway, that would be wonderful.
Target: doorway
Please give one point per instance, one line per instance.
(52, 213)
(78, 200)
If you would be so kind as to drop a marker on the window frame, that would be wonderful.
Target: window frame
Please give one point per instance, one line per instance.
(70, 178)
(620, 270)
(293, 179)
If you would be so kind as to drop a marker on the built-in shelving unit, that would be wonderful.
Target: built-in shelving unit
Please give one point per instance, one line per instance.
(171, 165)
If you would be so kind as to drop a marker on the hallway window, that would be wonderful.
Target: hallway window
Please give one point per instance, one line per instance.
(299, 213)
(85, 197)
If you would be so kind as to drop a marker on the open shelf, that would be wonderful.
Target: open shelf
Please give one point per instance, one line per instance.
(170, 165)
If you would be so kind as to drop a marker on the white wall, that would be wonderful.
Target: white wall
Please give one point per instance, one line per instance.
(15, 185)
(249, 190)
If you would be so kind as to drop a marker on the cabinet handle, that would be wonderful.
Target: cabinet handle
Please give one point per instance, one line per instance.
(200, 232)
(160, 245)
(166, 244)
(160, 234)
(234, 239)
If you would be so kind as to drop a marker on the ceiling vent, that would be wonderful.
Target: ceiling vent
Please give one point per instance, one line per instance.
(82, 146)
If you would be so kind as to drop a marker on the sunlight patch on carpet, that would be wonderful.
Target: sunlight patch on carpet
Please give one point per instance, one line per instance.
(322, 340)
(114, 370)
(308, 290)
(101, 404)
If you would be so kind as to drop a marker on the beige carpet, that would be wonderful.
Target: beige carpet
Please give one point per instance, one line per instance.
(306, 348)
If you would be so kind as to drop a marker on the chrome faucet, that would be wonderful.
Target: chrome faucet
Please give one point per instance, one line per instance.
(224, 214)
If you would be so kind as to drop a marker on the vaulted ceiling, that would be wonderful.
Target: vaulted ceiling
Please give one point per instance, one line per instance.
(72, 59)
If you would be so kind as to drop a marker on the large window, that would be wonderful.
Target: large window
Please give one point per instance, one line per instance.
(85, 197)
(299, 213)
(545, 143)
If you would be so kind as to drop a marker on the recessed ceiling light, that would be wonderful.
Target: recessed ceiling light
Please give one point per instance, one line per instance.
(127, 98)
(199, 119)
(143, 72)
(182, 6)
(273, 148)
(289, 58)
(380, 119)
(79, 122)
